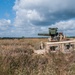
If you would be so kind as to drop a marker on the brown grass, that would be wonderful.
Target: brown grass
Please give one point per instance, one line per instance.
(17, 58)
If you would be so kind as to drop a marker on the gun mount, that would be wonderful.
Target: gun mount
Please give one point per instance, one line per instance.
(54, 34)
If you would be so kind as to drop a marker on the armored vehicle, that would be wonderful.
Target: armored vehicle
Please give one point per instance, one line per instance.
(57, 42)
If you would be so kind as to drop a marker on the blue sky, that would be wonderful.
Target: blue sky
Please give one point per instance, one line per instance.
(6, 11)
(30, 17)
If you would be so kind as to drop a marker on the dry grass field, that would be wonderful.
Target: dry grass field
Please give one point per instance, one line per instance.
(17, 58)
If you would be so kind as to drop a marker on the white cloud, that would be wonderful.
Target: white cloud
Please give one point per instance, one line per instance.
(33, 16)
(4, 24)
(68, 27)
(65, 25)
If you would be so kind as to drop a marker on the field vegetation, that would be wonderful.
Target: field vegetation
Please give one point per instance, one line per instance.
(17, 57)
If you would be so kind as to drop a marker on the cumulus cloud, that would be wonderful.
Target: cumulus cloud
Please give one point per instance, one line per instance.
(4, 24)
(45, 12)
(5, 28)
(68, 27)
(33, 16)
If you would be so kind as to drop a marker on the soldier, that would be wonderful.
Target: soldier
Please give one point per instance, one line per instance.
(49, 39)
(42, 45)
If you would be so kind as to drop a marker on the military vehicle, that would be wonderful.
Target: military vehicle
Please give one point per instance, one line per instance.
(57, 42)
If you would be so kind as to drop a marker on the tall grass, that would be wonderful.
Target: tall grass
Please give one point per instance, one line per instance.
(17, 58)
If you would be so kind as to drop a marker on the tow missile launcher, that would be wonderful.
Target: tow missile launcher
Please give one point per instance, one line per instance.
(53, 33)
